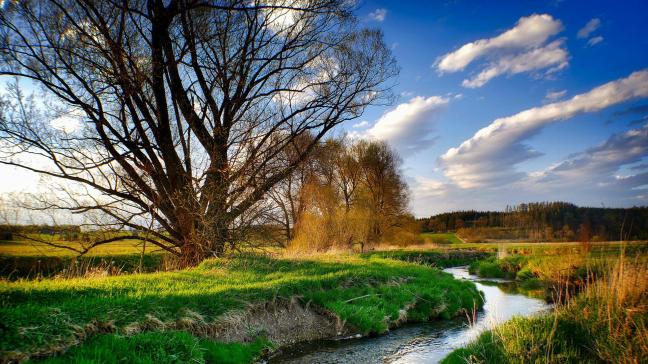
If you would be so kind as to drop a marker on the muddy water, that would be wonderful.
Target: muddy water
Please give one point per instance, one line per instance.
(421, 343)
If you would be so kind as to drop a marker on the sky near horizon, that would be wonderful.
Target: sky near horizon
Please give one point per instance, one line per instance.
(505, 102)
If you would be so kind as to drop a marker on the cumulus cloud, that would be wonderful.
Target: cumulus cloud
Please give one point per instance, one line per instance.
(523, 48)
(589, 28)
(551, 56)
(378, 15)
(490, 156)
(408, 126)
(594, 41)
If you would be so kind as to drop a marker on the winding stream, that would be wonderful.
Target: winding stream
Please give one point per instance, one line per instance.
(420, 343)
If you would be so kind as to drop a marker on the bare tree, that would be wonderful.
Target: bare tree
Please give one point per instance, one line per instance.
(184, 106)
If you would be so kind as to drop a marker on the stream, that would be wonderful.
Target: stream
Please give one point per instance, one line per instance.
(421, 342)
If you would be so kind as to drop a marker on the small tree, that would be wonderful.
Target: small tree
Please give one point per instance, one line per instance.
(355, 197)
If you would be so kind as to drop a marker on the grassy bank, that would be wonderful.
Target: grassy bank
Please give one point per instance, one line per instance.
(359, 294)
(606, 322)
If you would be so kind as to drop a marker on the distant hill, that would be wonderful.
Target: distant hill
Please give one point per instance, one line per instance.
(546, 221)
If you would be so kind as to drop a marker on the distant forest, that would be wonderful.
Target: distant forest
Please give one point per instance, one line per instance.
(548, 221)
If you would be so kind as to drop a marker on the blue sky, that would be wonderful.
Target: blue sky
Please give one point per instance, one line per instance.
(591, 151)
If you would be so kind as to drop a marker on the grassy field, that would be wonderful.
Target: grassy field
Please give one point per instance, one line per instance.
(29, 259)
(32, 248)
(369, 294)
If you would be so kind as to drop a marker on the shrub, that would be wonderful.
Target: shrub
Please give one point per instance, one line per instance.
(525, 274)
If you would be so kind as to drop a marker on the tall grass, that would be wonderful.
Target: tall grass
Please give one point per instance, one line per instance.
(606, 322)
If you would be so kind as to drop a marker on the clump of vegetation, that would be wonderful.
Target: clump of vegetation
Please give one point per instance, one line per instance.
(607, 322)
(368, 294)
(507, 267)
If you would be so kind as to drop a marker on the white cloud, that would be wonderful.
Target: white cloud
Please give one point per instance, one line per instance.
(551, 56)
(555, 95)
(594, 41)
(428, 187)
(378, 15)
(408, 125)
(490, 156)
(529, 32)
(361, 124)
(521, 49)
(589, 28)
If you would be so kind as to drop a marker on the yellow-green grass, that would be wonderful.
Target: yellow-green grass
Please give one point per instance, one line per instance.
(368, 293)
(441, 238)
(554, 263)
(26, 247)
(31, 259)
(606, 322)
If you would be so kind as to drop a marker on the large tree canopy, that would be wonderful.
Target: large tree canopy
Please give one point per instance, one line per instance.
(186, 107)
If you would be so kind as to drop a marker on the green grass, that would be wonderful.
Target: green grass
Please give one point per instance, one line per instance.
(441, 238)
(527, 340)
(507, 267)
(159, 348)
(436, 258)
(31, 248)
(368, 293)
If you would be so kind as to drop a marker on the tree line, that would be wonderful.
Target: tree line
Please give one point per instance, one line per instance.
(545, 221)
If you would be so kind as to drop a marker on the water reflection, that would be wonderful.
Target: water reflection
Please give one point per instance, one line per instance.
(422, 343)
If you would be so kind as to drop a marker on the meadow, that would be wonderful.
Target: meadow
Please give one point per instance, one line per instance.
(247, 305)
(23, 258)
